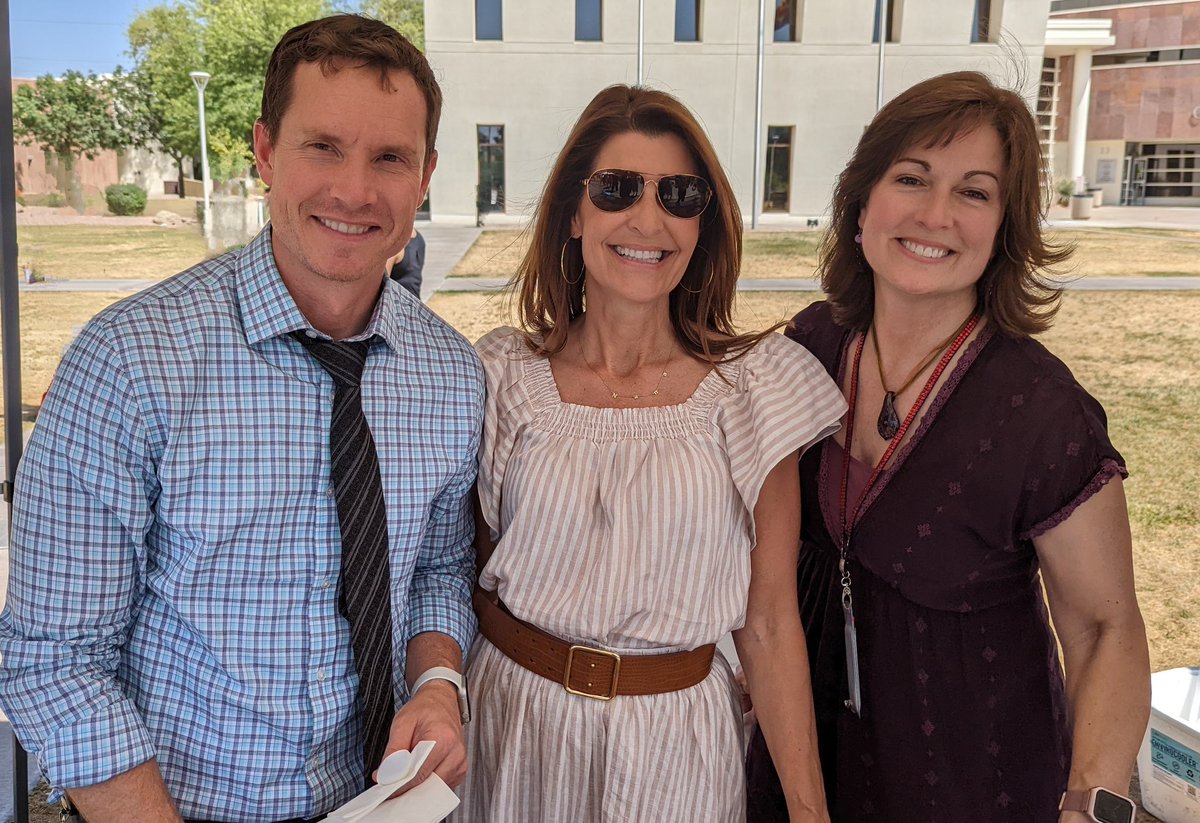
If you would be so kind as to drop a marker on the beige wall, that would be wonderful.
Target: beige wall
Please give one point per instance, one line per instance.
(538, 79)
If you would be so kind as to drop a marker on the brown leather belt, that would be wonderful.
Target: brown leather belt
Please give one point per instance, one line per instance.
(584, 670)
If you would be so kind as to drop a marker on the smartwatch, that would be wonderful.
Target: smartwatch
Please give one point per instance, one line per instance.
(1099, 804)
(450, 675)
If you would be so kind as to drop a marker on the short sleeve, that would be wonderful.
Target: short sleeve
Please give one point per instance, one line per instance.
(783, 401)
(507, 409)
(1072, 459)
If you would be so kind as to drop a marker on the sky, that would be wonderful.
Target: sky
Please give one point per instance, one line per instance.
(51, 36)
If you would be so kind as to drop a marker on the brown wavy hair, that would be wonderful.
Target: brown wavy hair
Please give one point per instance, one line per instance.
(550, 282)
(347, 40)
(1017, 291)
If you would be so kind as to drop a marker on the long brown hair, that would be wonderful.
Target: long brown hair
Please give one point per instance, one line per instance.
(340, 41)
(1015, 291)
(550, 278)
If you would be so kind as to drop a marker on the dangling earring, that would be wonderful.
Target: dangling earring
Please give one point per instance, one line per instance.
(562, 264)
(863, 267)
(707, 278)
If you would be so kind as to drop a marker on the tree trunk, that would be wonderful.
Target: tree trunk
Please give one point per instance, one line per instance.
(74, 187)
(179, 166)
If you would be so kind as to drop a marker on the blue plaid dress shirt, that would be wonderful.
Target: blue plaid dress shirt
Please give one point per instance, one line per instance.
(176, 551)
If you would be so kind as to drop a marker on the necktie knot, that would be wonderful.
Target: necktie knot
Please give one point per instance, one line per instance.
(343, 361)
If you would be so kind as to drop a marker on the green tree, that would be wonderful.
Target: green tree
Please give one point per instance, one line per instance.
(232, 41)
(405, 16)
(68, 116)
(239, 36)
(165, 44)
(229, 156)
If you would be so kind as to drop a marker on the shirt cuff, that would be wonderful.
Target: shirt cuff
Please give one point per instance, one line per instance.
(442, 604)
(110, 741)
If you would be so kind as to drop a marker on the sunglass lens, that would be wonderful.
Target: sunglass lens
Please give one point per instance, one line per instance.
(615, 190)
(683, 195)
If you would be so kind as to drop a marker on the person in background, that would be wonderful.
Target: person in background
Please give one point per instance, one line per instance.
(971, 473)
(241, 547)
(406, 267)
(639, 498)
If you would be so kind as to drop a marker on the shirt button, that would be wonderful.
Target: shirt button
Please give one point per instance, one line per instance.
(326, 583)
(321, 675)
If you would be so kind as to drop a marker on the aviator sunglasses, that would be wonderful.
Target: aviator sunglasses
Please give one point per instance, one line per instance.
(681, 195)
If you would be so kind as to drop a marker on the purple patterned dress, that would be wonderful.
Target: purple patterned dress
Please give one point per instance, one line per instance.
(964, 711)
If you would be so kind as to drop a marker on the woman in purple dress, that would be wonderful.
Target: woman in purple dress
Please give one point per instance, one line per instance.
(979, 471)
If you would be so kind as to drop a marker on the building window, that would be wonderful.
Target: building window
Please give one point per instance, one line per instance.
(1067, 5)
(490, 194)
(1171, 170)
(1135, 57)
(587, 19)
(785, 21)
(778, 172)
(489, 20)
(981, 24)
(687, 21)
(891, 20)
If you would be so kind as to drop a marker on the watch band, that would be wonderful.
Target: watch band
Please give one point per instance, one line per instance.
(450, 675)
(1076, 800)
(1100, 804)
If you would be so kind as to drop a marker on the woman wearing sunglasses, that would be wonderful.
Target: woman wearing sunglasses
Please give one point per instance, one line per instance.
(639, 498)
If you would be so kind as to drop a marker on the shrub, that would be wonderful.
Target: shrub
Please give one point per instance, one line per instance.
(56, 200)
(125, 199)
(1064, 188)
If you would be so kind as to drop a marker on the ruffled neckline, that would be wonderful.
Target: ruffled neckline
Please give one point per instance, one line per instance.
(603, 423)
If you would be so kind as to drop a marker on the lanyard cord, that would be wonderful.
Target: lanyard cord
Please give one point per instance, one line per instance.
(848, 522)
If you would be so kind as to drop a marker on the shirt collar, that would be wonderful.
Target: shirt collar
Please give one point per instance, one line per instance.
(268, 309)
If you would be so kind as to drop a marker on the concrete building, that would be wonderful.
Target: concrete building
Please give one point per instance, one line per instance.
(1141, 116)
(517, 73)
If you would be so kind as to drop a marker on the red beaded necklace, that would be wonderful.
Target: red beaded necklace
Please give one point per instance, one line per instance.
(854, 684)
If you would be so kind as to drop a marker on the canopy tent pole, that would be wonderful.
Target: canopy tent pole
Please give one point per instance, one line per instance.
(10, 340)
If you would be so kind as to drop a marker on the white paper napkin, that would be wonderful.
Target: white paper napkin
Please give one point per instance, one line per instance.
(429, 802)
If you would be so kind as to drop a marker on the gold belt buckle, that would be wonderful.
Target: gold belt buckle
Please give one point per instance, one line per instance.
(612, 692)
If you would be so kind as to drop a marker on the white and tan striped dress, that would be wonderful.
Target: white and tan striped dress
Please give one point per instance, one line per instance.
(629, 530)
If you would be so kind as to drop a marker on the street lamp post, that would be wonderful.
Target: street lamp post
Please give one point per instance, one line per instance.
(200, 78)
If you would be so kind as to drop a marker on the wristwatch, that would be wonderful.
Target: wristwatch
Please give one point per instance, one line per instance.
(1099, 804)
(460, 683)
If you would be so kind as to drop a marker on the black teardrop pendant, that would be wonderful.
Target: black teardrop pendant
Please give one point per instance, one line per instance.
(889, 422)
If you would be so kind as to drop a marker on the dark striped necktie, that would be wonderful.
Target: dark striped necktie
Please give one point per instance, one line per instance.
(364, 592)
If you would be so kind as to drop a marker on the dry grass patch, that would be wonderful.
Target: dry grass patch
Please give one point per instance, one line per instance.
(772, 255)
(1131, 252)
(106, 252)
(495, 253)
(49, 321)
(1140, 356)
(765, 254)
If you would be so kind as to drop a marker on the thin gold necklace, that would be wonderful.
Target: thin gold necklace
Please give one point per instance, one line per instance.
(612, 393)
(889, 421)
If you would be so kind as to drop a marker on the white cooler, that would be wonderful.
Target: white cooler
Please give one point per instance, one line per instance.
(1169, 760)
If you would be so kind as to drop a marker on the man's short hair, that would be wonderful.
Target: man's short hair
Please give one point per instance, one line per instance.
(347, 40)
